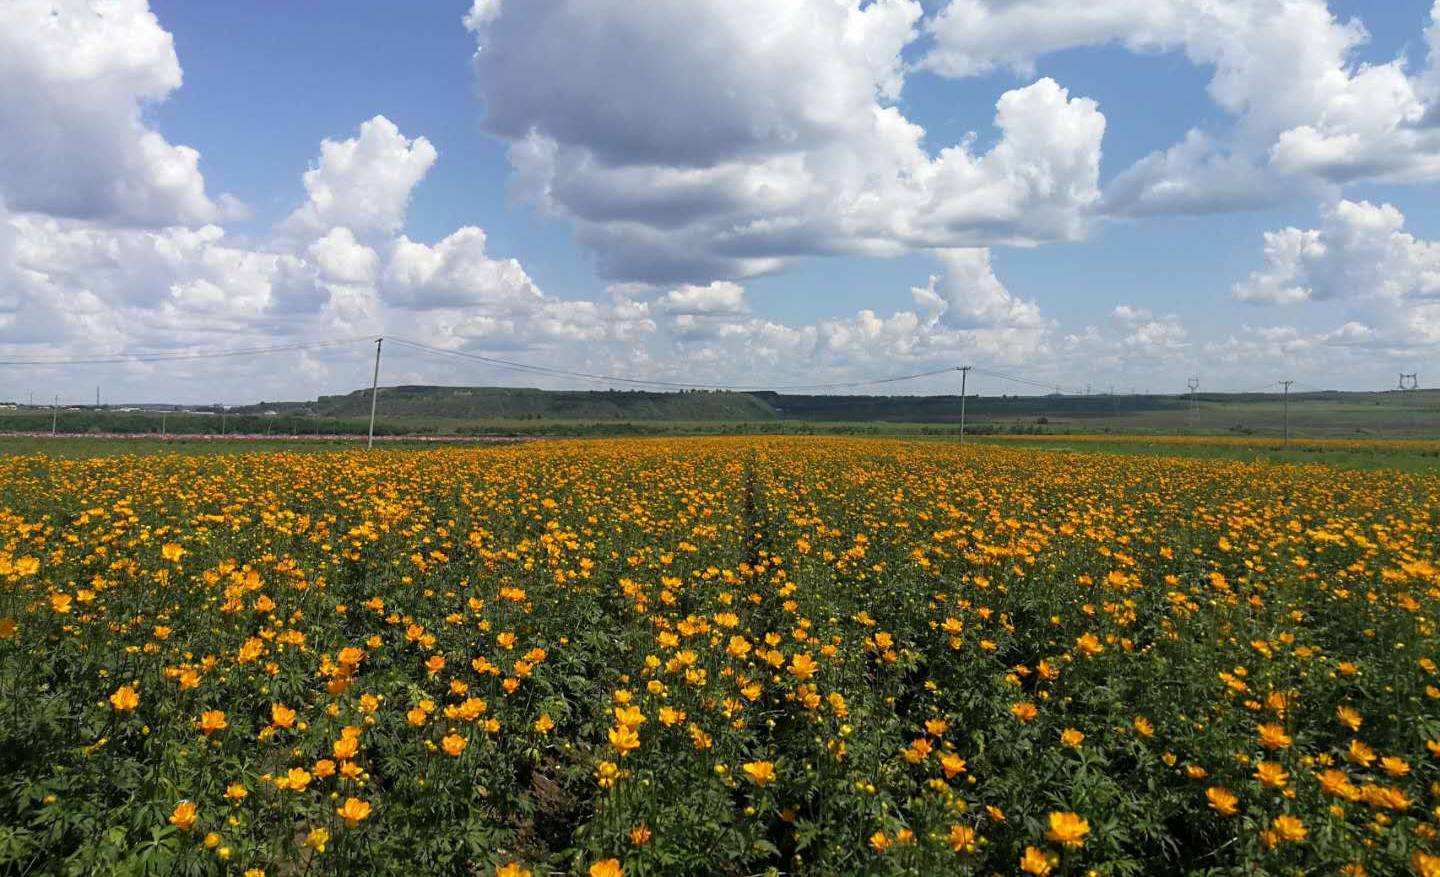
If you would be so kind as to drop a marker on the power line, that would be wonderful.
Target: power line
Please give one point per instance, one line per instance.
(1258, 389)
(550, 371)
(1041, 384)
(646, 382)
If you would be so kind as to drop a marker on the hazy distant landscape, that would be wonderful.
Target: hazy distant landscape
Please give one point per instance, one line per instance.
(433, 410)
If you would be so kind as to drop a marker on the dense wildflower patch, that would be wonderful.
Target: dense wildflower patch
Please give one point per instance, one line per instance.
(716, 656)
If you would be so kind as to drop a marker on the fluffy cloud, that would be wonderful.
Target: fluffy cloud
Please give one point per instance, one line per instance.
(720, 298)
(963, 313)
(456, 272)
(75, 77)
(142, 286)
(1361, 252)
(1362, 257)
(83, 285)
(787, 143)
(363, 183)
(1306, 113)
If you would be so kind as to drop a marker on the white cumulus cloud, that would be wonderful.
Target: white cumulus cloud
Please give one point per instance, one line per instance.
(1307, 114)
(1361, 256)
(717, 140)
(362, 183)
(75, 78)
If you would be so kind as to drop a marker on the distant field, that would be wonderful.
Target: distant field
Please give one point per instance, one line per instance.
(1404, 454)
(470, 412)
(1411, 455)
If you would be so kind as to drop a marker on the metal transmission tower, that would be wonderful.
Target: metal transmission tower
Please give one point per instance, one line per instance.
(1407, 383)
(1194, 385)
(1286, 385)
(964, 373)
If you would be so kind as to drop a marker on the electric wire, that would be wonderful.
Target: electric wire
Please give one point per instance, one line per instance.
(646, 382)
(548, 371)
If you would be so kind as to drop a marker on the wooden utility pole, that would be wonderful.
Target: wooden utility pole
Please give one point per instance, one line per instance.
(374, 390)
(1286, 408)
(964, 373)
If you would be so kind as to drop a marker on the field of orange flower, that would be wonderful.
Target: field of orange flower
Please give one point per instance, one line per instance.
(716, 656)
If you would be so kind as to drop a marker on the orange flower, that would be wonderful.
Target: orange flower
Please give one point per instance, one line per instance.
(350, 657)
(125, 699)
(952, 765)
(1425, 865)
(281, 716)
(1288, 828)
(607, 868)
(1037, 863)
(629, 717)
(183, 816)
(212, 721)
(317, 839)
(759, 772)
(544, 724)
(962, 838)
(1222, 800)
(353, 810)
(453, 744)
(606, 773)
(1024, 712)
(1336, 783)
(1360, 754)
(172, 552)
(345, 748)
(1271, 774)
(1072, 738)
(624, 739)
(296, 779)
(1068, 829)
(1273, 737)
(803, 666)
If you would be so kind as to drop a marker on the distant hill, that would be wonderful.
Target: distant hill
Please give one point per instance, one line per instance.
(429, 410)
(503, 403)
(1329, 412)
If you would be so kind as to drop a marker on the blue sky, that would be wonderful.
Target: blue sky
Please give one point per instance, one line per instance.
(725, 194)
